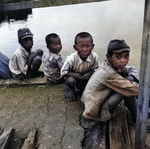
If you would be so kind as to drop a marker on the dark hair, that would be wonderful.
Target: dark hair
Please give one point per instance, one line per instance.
(110, 53)
(117, 46)
(52, 35)
(83, 35)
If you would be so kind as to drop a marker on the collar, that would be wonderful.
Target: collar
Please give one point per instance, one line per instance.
(121, 72)
(22, 48)
(88, 59)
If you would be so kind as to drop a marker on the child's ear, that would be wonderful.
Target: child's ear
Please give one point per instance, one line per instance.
(47, 46)
(108, 57)
(93, 46)
(74, 46)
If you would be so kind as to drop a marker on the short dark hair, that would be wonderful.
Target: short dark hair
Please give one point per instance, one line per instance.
(83, 35)
(52, 35)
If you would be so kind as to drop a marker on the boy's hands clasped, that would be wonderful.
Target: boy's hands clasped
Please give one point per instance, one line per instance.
(78, 76)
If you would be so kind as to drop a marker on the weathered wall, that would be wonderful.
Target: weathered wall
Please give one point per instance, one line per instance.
(52, 2)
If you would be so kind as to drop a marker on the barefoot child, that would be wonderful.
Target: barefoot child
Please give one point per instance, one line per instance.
(79, 66)
(111, 83)
(21, 64)
(52, 59)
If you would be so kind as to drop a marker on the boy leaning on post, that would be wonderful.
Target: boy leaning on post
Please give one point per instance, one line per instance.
(25, 63)
(79, 66)
(111, 83)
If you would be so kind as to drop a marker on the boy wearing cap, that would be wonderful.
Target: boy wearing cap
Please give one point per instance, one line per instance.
(79, 66)
(111, 83)
(25, 63)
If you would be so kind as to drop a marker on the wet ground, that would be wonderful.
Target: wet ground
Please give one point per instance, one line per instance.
(38, 104)
(44, 108)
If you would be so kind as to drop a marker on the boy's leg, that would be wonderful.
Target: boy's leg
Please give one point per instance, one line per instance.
(131, 104)
(114, 99)
(36, 63)
(69, 89)
(80, 86)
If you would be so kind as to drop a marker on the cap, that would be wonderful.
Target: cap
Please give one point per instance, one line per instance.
(24, 33)
(117, 46)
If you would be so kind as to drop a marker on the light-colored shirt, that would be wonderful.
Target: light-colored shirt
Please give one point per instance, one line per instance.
(74, 63)
(52, 64)
(18, 63)
(100, 85)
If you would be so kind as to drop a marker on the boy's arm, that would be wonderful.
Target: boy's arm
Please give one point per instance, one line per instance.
(121, 85)
(59, 62)
(88, 75)
(33, 55)
(22, 64)
(132, 74)
(75, 75)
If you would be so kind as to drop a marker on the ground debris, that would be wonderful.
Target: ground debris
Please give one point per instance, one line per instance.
(29, 142)
(5, 138)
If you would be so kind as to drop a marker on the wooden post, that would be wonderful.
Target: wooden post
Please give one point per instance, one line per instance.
(144, 85)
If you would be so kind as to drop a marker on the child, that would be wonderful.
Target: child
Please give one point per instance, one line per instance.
(25, 63)
(111, 83)
(4, 67)
(79, 66)
(52, 59)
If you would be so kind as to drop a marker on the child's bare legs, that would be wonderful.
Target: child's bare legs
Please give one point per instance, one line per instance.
(69, 89)
(35, 65)
(114, 100)
(130, 103)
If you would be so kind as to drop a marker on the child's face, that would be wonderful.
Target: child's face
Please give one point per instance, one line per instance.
(27, 43)
(54, 45)
(119, 60)
(84, 47)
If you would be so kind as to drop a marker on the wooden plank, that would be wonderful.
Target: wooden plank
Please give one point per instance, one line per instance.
(20, 5)
(30, 140)
(144, 84)
(132, 136)
(118, 130)
(5, 138)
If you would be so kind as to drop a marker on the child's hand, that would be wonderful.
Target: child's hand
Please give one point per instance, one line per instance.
(130, 78)
(88, 75)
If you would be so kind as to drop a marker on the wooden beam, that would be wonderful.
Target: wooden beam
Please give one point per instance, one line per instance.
(118, 130)
(30, 140)
(144, 85)
(5, 138)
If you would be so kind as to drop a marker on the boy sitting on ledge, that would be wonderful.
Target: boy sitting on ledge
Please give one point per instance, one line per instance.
(79, 66)
(25, 63)
(111, 83)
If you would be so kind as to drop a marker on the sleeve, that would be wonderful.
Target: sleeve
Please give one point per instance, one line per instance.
(96, 62)
(22, 63)
(122, 85)
(67, 66)
(59, 62)
(132, 71)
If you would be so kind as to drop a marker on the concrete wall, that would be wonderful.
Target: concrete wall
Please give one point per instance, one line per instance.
(6, 5)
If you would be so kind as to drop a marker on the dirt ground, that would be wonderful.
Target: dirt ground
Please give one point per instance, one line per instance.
(44, 108)
(37, 105)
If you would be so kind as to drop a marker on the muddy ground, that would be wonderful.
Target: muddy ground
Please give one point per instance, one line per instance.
(44, 108)
(37, 104)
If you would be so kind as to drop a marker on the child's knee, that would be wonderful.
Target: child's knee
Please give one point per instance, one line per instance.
(37, 61)
(71, 81)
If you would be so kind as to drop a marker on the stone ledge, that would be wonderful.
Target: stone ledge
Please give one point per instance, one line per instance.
(30, 81)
